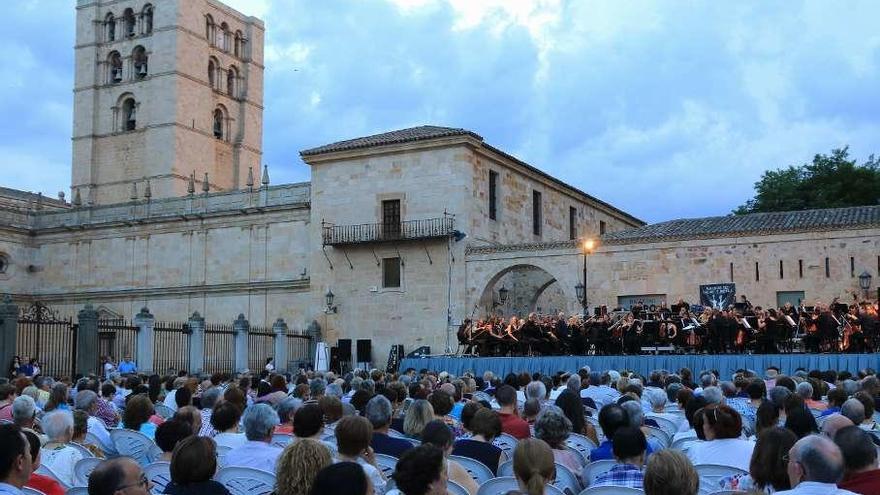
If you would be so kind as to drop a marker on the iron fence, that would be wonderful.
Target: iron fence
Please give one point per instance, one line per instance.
(299, 348)
(43, 335)
(116, 338)
(382, 232)
(261, 345)
(219, 348)
(170, 346)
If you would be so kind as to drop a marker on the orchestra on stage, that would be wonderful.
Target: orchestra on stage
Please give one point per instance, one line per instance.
(833, 327)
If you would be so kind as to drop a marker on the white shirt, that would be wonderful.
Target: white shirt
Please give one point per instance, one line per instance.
(726, 452)
(170, 400)
(601, 394)
(61, 461)
(815, 488)
(253, 454)
(231, 440)
(373, 474)
(97, 428)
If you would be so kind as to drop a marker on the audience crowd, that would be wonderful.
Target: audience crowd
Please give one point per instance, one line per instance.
(420, 432)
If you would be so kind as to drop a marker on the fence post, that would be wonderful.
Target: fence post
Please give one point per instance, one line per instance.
(87, 341)
(240, 328)
(281, 357)
(145, 323)
(8, 329)
(314, 333)
(196, 343)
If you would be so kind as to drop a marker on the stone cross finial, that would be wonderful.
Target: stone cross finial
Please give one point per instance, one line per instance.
(77, 199)
(206, 187)
(265, 180)
(250, 178)
(148, 191)
(191, 184)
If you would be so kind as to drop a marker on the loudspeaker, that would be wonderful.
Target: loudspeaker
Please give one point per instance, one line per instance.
(344, 348)
(364, 351)
(422, 351)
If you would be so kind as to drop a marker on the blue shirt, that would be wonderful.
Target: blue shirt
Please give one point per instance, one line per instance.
(621, 475)
(829, 411)
(605, 451)
(126, 367)
(456, 410)
(384, 444)
(7, 489)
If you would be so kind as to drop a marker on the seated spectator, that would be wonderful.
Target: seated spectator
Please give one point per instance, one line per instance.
(40, 482)
(332, 409)
(24, 415)
(573, 409)
(421, 471)
(225, 421)
(485, 426)
(168, 434)
(106, 410)
(530, 411)
(467, 414)
(767, 468)
(170, 397)
(419, 414)
(806, 392)
(87, 401)
(57, 454)
(359, 400)
(815, 466)
(636, 418)
(80, 430)
(286, 409)
(669, 472)
(533, 466)
(207, 402)
(7, 397)
(657, 399)
(378, 412)
(191, 416)
(121, 474)
(193, 464)
(722, 429)
(353, 435)
(860, 461)
(58, 398)
(308, 422)
(833, 423)
(801, 422)
(836, 398)
(299, 464)
(868, 403)
(342, 478)
(629, 447)
(611, 417)
(766, 417)
(258, 452)
(442, 403)
(237, 396)
(554, 428)
(511, 423)
(137, 415)
(854, 410)
(436, 433)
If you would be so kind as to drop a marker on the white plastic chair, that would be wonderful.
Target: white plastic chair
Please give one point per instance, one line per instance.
(281, 439)
(582, 445)
(505, 484)
(665, 424)
(26, 490)
(595, 468)
(386, 463)
(660, 435)
(505, 469)
(47, 471)
(82, 449)
(159, 473)
(91, 438)
(711, 475)
(566, 480)
(611, 490)
(507, 443)
(134, 444)
(583, 456)
(478, 396)
(222, 450)
(164, 411)
(246, 481)
(83, 468)
(396, 434)
(453, 488)
(78, 490)
(478, 471)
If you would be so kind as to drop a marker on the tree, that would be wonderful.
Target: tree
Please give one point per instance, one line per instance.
(830, 181)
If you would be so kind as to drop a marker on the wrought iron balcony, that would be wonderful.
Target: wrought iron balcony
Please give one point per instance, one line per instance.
(411, 230)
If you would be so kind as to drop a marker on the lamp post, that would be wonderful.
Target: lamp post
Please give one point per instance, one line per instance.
(865, 282)
(587, 248)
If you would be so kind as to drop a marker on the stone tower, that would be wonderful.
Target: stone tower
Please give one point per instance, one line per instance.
(164, 89)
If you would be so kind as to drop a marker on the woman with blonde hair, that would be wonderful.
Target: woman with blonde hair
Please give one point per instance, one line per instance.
(419, 414)
(669, 472)
(533, 466)
(298, 465)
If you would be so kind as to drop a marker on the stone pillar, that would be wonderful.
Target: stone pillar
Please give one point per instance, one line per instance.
(240, 329)
(87, 341)
(8, 329)
(196, 343)
(145, 323)
(281, 357)
(313, 331)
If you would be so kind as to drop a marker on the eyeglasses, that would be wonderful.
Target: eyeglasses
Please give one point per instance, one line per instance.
(143, 483)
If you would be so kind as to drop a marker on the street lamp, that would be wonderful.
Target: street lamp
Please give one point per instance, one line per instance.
(328, 298)
(502, 295)
(865, 282)
(587, 248)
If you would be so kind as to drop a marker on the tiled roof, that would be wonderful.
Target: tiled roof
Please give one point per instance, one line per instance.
(752, 224)
(400, 136)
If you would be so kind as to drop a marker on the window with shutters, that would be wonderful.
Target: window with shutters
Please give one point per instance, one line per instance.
(391, 273)
(391, 218)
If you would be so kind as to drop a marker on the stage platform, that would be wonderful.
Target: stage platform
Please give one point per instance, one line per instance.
(726, 364)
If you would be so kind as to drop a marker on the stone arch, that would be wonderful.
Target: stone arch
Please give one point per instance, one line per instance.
(529, 280)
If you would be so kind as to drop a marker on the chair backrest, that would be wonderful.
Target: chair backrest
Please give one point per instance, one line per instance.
(77, 490)
(82, 449)
(595, 468)
(582, 445)
(31, 491)
(386, 463)
(222, 450)
(91, 438)
(583, 456)
(453, 488)
(478, 396)
(281, 439)
(711, 475)
(665, 424)
(506, 442)
(505, 484)
(395, 434)
(133, 444)
(566, 480)
(660, 435)
(611, 490)
(47, 471)
(163, 410)
(160, 474)
(83, 468)
(506, 469)
(478, 471)
(246, 481)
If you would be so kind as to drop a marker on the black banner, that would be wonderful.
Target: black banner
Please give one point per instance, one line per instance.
(718, 296)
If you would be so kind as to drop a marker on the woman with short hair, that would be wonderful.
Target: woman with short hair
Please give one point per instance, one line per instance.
(353, 436)
(422, 471)
(669, 472)
(225, 419)
(342, 478)
(193, 464)
(137, 414)
(436, 433)
(417, 416)
(298, 466)
(485, 426)
(57, 454)
(722, 428)
(533, 466)
(553, 427)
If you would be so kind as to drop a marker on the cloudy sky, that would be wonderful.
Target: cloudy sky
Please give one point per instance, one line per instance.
(664, 109)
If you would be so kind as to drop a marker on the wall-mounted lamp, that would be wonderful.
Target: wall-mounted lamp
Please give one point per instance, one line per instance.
(328, 298)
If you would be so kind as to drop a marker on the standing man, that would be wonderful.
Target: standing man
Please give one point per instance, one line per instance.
(127, 366)
(15, 460)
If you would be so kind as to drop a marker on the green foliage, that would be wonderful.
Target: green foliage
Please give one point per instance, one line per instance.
(830, 181)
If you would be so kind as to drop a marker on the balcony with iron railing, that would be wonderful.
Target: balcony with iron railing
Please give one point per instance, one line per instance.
(410, 230)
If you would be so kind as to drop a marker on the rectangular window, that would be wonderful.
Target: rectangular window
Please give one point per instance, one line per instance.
(827, 268)
(731, 272)
(536, 213)
(781, 272)
(391, 219)
(572, 222)
(801, 268)
(852, 266)
(757, 273)
(493, 195)
(601, 227)
(391, 272)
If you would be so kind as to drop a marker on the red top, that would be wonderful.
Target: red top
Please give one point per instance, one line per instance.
(867, 483)
(45, 484)
(514, 425)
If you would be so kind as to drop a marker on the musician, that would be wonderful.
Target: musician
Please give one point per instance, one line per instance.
(663, 312)
(869, 322)
(748, 309)
(853, 337)
(810, 324)
(632, 330)
(563, 332)
(637, 309)
(827, 329)
(717, 328)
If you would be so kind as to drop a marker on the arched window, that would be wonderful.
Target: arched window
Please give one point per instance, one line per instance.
(224, 30)
(219, 124)
(129, 114)
(139, 61)
(231, 77)
(209, 29)
(212, 72)
(147, 15)
(129, 21)
(110, 24)
(114, 62)
(238, 44)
